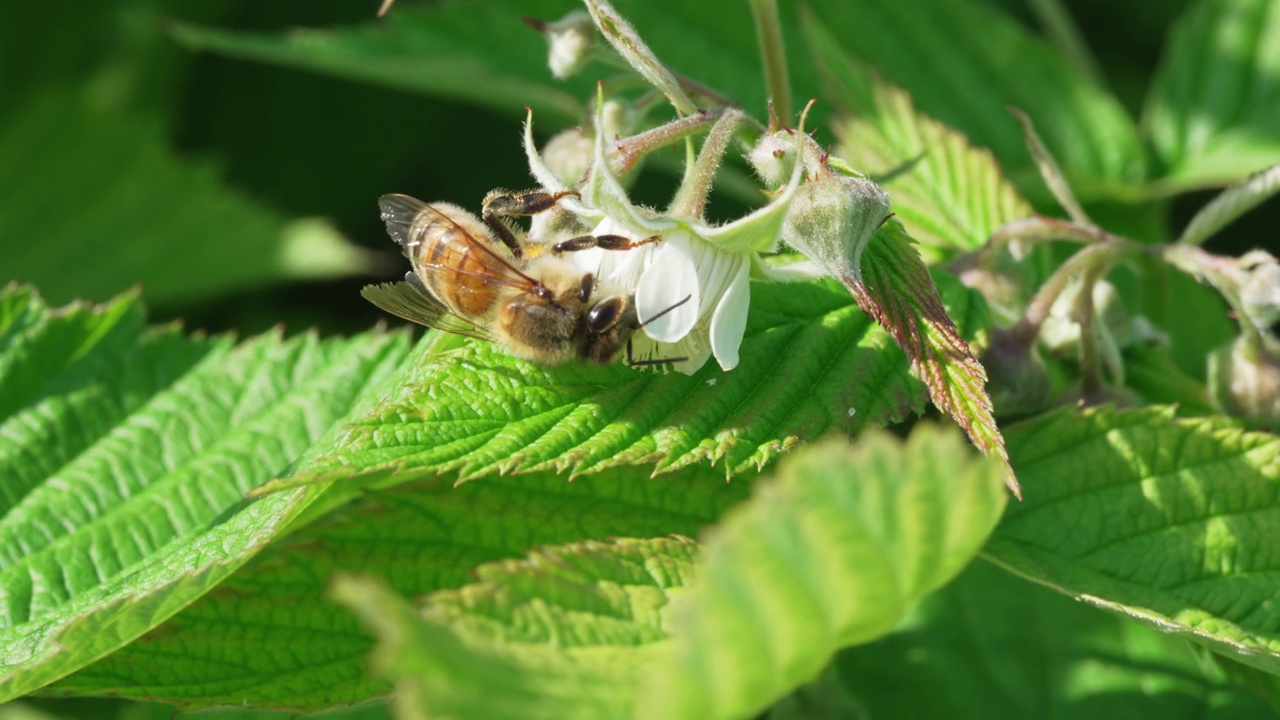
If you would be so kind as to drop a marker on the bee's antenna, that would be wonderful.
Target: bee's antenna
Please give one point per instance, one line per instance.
(686, 299)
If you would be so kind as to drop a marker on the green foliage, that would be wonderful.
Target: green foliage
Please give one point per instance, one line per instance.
(816, 560)
(127, 456)
(1213, 108)
(139, 215)
(1198, 502)
(300, 522)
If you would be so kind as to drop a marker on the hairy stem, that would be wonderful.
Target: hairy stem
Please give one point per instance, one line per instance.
(1093, 259)
(772, 54)
(691, 198)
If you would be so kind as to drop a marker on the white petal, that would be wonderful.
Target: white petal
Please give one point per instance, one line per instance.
(620, 268)
(716, 271)
(588, 261)
(729, 321)
(671, 277)
(692, 348)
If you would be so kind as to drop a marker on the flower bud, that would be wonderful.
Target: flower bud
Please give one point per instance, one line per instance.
(570, 39)
(831, 220)
(1002, 283)
(1112, 325)
(569, 154)
(1244, 381)
(774, 155)
(1260, 289)
(1019, 381)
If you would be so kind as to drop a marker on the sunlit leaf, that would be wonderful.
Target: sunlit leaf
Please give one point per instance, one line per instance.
(811, 363)
(1162, 520)
(831, 552)
(124, 458)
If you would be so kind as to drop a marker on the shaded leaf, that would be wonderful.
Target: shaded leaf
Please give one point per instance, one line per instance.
(830, 553)
(1213, 113)
(478, 52)
(967, 79)
(118, 209)
(991, 645)
(949, 194)
(564, 634)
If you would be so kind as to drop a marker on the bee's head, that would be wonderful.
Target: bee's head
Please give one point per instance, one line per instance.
(609, 324)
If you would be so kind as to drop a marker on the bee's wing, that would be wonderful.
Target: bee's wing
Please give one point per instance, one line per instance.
(411, 302)
(408, 219)
(400, 212)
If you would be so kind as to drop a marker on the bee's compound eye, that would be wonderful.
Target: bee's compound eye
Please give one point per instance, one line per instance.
(605, 314)
(588, 284)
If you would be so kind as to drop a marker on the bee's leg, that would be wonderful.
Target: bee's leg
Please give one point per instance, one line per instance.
(504, 203)
(519, 204)
(608, 242)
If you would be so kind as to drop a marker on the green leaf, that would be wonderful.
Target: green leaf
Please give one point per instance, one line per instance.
(116, 209)
(1214, 109)
(475, 52)
(949, 194)
(811, 363)
(255, 638)
(992, 646)
(831, 553)
(1163, 520)
(124, 458)
(966, 78)
(1160, 381)
(1230, 204)
(897, 290)
(566, 633)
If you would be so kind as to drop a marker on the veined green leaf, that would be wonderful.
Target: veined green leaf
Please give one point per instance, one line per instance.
(967, 78)
(990, 645)
(830, 553)
(949, 194)
(811, 363)
(898, 291)
(566, 633)
(269, 635)
(1214, 110)
(1167, 521)
(124, 458)
(1230, 204)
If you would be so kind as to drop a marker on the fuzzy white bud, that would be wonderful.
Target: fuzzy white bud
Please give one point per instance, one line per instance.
(570, 39)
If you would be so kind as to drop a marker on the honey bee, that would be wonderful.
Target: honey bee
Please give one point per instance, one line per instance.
(478, 278)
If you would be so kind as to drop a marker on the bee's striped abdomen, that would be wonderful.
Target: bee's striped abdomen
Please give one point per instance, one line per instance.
(455, 269)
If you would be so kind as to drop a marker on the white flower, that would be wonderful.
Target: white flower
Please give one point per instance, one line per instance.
(691, 288)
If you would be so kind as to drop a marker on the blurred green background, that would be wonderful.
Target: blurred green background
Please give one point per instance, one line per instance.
(224, 186)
